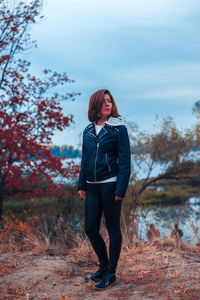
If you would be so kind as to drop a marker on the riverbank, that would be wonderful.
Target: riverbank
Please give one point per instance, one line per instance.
(70, 202)
(158, 270)
(161, 207)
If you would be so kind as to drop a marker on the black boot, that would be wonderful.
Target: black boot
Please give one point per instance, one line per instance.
(106, 281)
(98, 275)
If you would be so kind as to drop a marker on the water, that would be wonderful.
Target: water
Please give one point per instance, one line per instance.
(164, 217)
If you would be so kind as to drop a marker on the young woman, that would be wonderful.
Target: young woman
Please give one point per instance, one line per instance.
(103, 180)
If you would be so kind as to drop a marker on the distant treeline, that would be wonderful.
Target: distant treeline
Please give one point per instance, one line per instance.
(71, 152)
(64, 151)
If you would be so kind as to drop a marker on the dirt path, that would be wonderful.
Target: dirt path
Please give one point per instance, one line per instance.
(145, 272)
(47, 277)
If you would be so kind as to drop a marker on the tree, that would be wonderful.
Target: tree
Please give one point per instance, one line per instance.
(30, 110)
(196, 111)
(169, 152)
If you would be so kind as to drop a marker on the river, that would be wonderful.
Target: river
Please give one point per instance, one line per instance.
(164, 216)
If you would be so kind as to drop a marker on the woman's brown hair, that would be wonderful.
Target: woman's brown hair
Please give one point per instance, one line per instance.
(95, 105)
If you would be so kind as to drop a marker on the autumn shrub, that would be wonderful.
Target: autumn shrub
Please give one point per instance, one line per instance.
(16, 235)
(37, 233)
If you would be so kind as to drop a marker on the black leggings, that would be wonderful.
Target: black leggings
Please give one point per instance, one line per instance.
(100, 198)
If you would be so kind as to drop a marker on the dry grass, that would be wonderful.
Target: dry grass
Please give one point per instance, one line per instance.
(161, 268)
(34, 267)
(34, 234)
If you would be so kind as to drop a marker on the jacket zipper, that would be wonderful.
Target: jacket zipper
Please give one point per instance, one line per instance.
(96, 161)
(107, 162)
(92, 136)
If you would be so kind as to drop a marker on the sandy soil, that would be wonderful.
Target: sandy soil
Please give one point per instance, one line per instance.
(158, 271)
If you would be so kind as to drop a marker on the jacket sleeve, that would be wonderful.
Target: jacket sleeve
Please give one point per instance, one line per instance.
(82, 178)
(124, 159)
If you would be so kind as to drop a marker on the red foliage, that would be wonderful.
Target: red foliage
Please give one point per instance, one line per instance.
(29, 113)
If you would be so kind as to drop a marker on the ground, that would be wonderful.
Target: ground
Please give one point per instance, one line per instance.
(157, 270)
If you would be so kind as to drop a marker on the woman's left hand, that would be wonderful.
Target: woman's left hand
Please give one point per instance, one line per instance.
(117, 198)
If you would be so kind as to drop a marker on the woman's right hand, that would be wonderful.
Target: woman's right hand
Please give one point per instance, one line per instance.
(82, 194)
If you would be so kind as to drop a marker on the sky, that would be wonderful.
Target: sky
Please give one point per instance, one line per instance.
(146, 52)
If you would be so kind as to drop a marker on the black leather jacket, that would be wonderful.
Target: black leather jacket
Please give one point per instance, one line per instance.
(105, 155)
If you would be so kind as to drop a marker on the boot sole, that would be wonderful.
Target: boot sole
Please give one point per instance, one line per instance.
(106, 287)
(93, 280)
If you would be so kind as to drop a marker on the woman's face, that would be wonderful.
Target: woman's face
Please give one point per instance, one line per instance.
(106, 107)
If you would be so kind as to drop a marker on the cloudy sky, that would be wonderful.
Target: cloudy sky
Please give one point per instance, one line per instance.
(146, 52)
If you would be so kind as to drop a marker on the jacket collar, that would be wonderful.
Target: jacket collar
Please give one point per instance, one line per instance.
(92, 132)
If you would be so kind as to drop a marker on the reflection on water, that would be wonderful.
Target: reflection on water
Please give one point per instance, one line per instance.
(164, 217)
